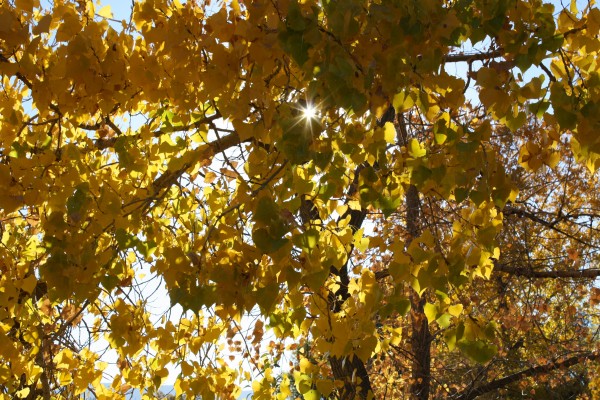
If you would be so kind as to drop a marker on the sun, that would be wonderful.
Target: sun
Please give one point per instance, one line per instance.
(309, 112)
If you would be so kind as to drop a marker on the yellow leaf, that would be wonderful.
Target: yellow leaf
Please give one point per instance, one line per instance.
(284, 387)
(28, 284)
(396, 336)
(43, 25)
(427, 238)
(360, 242)
(593, 21)
(210, 177)
(311, 395)
(552, 159)
(415, 149)
(403, 101)
(341, 210)
(64, 377)
(573, 7)
(389, 133)
(305, 365)
(178, 388)
(455, 310)
(105, 12)
(354, 205)
(245, 131)
(366, 348)
(325, 387)
(23, 393)
(24, 5)
(235, 6)
(430, 311)
(69, 27)
(186, 368)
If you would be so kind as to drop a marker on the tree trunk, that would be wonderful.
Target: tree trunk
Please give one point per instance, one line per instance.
(351, 370)
(420, 341)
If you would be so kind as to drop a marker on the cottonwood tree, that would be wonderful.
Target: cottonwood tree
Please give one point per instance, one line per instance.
(427, 230)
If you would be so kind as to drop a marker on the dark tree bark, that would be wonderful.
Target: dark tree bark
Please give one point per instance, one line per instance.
(351, 370)
(347, 368)
(420, 340)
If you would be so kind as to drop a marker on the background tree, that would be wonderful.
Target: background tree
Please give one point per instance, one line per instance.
(436, 222)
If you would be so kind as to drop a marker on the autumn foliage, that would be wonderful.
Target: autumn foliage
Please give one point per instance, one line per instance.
(429, 230)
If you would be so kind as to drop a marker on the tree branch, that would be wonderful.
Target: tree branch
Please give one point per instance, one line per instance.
(205, 152)
(533, 371)
(470, 57)
(509, 210)
(590, 273)
(345, 368)
(105, 143)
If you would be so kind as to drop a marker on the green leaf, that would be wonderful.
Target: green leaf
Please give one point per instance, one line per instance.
(109, 282)
(266, 211)
(316, 280)
(146, 248)
(358, 101)
(444, 320)
(389, 205)
(478, 196)
(122, 148)
(403, 306)
(366, 348)
(76, 203)
(368, 194)
(295, 20)
(369, 174)
(266, 296)
(323, 158)
(193, 298)
(266, 242)
(295, 141)
(294, 44)
(514, 123)
(307, 240)
(566, 119)
(124, 239)
(487, 236)
(478, 350)
(450, 339)
(400, 271)
(460, 194)
(420, 175)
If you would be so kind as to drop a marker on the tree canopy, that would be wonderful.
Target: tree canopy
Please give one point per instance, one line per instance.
(340, 199)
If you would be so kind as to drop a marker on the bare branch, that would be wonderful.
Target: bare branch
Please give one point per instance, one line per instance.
(591, 273)
(533, 371)
(470, 57)
(510, 210)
